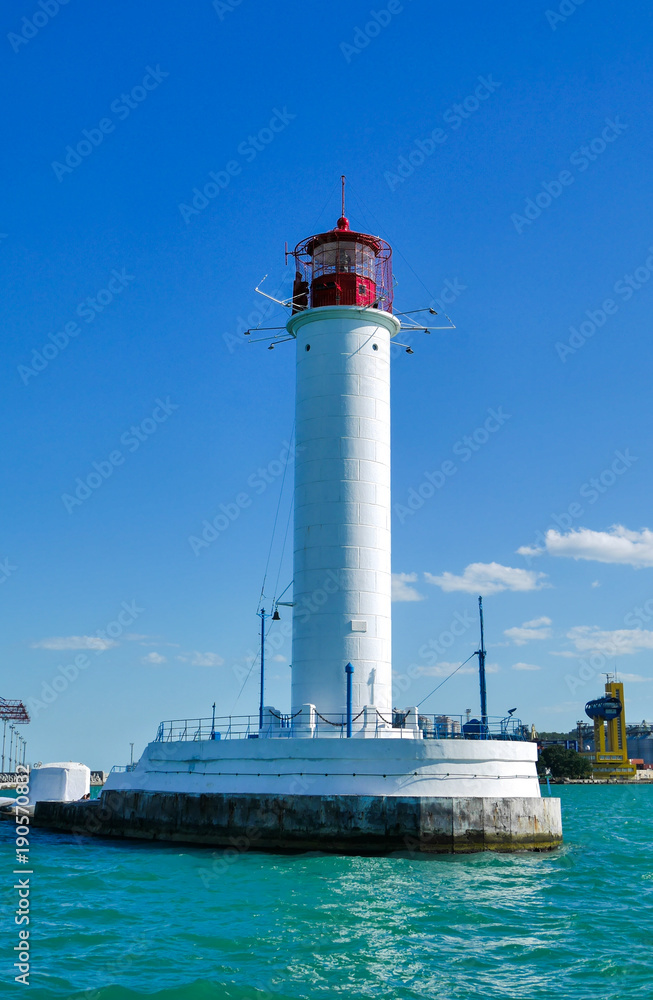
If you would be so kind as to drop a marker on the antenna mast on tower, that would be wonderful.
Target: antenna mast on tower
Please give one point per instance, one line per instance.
(481, 667)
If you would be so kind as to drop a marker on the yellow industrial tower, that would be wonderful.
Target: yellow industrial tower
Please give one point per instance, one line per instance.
(610, 756)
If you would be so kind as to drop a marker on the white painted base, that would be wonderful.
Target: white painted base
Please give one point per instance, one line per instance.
(481, 768)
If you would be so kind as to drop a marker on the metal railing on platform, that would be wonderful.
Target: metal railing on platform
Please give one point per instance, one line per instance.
(373, 723)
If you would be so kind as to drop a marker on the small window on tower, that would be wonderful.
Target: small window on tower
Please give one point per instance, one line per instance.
(308, 347)
(375, 347)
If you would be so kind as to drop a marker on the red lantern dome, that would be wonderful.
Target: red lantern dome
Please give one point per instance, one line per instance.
(343, 268)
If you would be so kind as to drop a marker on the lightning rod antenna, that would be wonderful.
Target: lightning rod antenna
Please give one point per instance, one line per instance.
(342, 181)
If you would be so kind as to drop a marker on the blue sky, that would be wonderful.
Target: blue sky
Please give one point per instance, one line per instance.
(504, 151)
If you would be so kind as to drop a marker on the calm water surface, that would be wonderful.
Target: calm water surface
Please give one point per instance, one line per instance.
(117, 920)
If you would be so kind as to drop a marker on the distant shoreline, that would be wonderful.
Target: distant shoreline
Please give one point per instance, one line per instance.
(597, 781)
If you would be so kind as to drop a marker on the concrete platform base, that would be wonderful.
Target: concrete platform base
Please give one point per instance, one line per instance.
(338, 824)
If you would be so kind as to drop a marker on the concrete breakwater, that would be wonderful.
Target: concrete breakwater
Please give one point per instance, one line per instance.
(340, 824)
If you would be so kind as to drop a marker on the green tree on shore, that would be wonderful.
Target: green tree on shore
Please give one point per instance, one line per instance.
(563, 763)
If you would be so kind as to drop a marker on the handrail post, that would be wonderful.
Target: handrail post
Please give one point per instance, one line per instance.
(349, 670)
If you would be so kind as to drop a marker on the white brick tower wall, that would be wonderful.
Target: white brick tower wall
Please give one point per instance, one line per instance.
(342, 580)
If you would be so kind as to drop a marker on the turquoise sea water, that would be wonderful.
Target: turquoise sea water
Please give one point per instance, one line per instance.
(114, 920)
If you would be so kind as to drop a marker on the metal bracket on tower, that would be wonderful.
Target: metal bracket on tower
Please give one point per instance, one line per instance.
(280, 302)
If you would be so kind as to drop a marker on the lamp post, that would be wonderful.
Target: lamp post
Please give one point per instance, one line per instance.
(276, 617)
(4, 737)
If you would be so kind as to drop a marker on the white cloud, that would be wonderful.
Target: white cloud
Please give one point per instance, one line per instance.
(75, 642)
(154, 658)
(280, 659)
(634, 678)
(152, 640)
(530, 550)
(621, 641)
(618, 545)
(563, 706)
(525, 666)
(489, 578)
(400, 589)
(197, 659)
(443, 669)
(595, 583)
(538, 628)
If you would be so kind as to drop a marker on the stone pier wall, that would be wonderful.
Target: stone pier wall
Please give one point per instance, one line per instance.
(342, 824)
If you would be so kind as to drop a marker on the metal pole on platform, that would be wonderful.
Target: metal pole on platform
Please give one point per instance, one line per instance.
(4, 736)
(349, 670)
(11, 744)
(260, 708)
(481, 668)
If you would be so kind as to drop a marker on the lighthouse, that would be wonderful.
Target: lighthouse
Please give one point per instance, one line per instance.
(336, 769)
(343, 326)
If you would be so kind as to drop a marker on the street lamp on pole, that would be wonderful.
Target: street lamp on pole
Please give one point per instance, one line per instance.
(276, 617)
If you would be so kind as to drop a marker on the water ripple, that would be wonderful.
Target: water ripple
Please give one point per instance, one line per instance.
(121, 921)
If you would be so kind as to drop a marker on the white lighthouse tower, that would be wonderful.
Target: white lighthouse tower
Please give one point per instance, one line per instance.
(342, 580)
(340, 771)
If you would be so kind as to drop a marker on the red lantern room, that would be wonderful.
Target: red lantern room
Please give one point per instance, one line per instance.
(342, 268)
